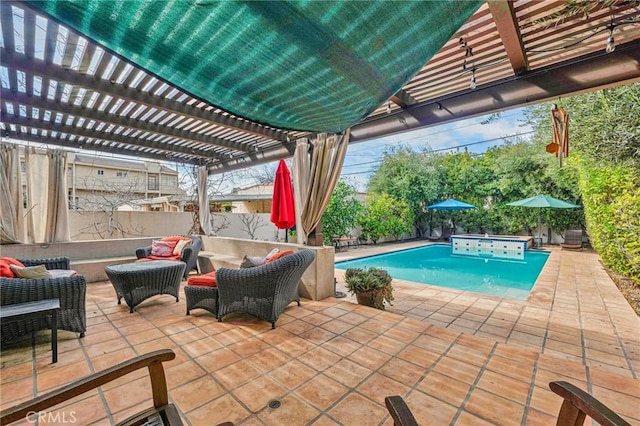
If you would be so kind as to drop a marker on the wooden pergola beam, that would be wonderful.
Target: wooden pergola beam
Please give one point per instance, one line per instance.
(507, 25)
(98, 116)
(40, 126)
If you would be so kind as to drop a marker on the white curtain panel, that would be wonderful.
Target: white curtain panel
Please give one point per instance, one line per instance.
(203, 201)
(37, 167)
(12, 229)
(47, 214)
(317, 172)
(300, 183)
(57, 224)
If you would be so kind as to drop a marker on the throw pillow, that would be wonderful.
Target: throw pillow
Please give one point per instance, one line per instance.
(279, 255)
(252, 261)
(175, 238)
(39, 271)
(180, 245)
(162, 248)
(62, 273)
(5, 266)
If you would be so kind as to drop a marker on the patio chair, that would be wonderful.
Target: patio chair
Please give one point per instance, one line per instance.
(263, 291)
(162, 412)
(444, 235)
(71, 291)
(572, 239)
(189, 254)
(577, 405)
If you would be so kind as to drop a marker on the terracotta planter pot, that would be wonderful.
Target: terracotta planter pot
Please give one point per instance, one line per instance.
(366, 299)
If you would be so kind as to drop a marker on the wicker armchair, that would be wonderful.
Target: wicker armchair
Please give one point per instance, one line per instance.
(263, 291)
(189, 254)
(162, 413)
(70, 290)
(576, 406)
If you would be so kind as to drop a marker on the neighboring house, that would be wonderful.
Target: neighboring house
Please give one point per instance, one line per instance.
(94, 182)
(248, 199)
(159, 204)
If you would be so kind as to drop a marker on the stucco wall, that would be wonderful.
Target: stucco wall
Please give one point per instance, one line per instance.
(92, 225)
(317, 282)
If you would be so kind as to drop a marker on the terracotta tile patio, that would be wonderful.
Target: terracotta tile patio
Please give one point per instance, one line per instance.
(456, 357)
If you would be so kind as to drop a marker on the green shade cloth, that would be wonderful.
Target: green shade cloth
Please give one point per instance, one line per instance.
(542, 201)
(306, 65)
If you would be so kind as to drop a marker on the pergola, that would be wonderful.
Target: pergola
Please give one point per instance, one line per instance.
(72, 77)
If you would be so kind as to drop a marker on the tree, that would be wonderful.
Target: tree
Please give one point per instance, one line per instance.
(469, 178)
(400, 221)
(219, 222)
(383, 216)
(108, 196)
(251, 222)
(414, 177)
(342, 212)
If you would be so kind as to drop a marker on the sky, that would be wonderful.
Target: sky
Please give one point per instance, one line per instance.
(362, 158)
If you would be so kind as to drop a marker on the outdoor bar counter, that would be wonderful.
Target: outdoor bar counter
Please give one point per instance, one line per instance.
(503, 246)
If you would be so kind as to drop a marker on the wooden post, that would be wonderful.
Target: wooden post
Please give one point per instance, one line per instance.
(315, 238)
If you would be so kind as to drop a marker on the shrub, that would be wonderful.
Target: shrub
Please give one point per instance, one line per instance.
(611, 196)
(375, 281)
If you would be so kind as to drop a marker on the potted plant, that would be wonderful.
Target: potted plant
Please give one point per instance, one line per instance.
(372, 286)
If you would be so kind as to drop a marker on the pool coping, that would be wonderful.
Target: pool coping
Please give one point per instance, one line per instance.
(573, 291)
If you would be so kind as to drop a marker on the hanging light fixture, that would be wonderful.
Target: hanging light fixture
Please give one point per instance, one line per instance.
(389, 107)
(472, 85)
(611, 42)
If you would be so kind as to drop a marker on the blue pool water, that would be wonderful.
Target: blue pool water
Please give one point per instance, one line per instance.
(436, 265)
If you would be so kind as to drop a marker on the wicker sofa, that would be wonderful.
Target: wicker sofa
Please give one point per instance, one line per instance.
(71, 291)
(189, 254)
(263, 291)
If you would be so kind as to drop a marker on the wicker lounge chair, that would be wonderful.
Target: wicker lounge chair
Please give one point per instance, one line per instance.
(577, 405)
(572, 239)
(70, 291)
(189, 254)
(263, 291)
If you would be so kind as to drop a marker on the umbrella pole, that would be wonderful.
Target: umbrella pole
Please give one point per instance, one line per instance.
(540, 228)
(286, 235)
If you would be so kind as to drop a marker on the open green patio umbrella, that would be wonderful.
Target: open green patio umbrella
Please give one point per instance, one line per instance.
(543, 201)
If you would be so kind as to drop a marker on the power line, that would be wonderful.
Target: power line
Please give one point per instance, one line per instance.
(432, 134)
(434, 150)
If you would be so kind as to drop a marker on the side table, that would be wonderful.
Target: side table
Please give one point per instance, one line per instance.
(31, 310)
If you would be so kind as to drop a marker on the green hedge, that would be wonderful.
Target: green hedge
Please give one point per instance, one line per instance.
(611, 196)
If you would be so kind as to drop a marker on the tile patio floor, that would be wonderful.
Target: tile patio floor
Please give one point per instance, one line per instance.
(457, 358)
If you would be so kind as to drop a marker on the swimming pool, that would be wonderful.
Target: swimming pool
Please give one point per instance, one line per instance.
(436, 265)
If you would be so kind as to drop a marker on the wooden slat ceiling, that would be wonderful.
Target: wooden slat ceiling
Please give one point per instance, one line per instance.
(58, 88)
